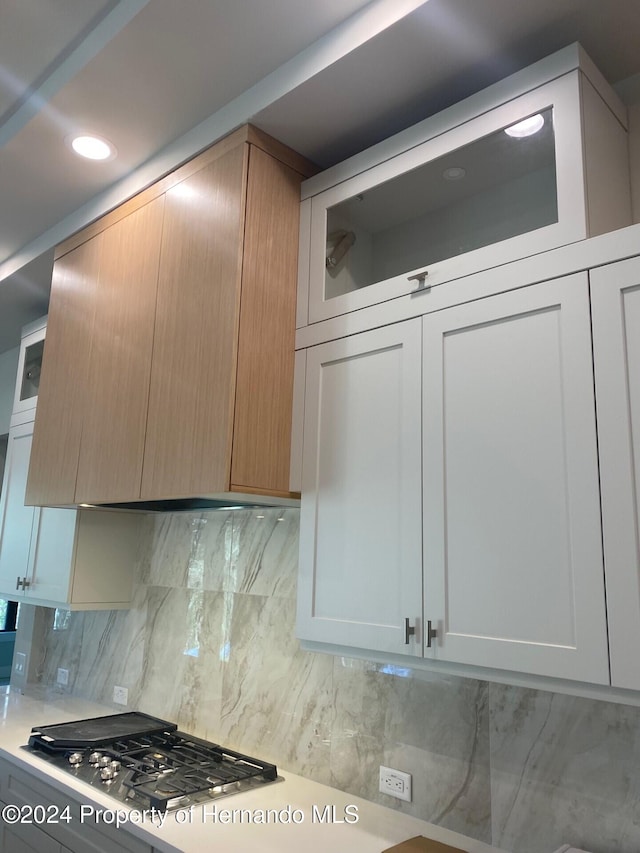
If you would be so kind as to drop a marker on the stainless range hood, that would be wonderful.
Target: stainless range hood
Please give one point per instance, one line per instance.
(227, 501)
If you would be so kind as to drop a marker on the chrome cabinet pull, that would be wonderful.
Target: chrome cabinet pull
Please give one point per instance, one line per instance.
(18, 582)
(409, 631)
(421, 278)
(430, 634)
(22, 583)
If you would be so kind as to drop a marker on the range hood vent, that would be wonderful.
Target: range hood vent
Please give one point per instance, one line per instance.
(226, 502)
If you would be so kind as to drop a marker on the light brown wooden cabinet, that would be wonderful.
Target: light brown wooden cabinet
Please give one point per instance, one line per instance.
(168, 365)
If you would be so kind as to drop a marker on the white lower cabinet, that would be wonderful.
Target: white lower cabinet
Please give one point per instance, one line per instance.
(615, 295)
(27, 838)
(513, 571)
(81, 559)
(484, 446)
(360, 522)
(52, 822)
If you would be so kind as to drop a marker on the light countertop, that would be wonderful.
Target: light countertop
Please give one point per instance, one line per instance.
(293, 815)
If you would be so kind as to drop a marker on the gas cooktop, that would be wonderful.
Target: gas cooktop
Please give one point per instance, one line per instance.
(146, 762)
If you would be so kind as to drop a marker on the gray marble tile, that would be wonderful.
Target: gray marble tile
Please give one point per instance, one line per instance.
(111, 654)
(185, 639)
(276, 699)
(30, 642)
(264, 557)
(210, 643)
(216, 543)
(146, 535)
(435, 728)
(100, 648)
(60, 648)
(189, 550)
(564, 771)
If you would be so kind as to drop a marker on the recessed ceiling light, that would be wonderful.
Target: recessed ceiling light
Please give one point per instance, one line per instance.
(454, 173)
(92, 147)
(526, 127)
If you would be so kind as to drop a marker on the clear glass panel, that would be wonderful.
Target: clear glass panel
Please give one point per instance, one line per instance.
(31, 372)
(4, 441)
(9, 613)
(61, 619)
(496, 187)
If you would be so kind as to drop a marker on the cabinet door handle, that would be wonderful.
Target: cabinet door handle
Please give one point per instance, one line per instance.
(421, 278)
(18, 582)
(22, 583)
(409, 631)
(430, 634)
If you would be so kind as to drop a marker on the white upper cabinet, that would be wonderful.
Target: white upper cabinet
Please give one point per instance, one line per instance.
(615, 295)
(476, 444)
(29, 366)
(535, 162)
(360, 524)
(77, 559)
(16, 520)
(492, 424)
(512, 547)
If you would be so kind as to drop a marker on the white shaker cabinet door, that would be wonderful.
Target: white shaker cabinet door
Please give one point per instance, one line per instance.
(360, 525)
(52, 555)
(512, 545)
(36, 545)
(615, 295)
(27, 838)
(16, 519)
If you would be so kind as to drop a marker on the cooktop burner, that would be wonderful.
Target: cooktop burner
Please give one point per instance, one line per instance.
(146, 762)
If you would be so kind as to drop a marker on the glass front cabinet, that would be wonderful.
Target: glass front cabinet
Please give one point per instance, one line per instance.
(29, 365)
(534, 162)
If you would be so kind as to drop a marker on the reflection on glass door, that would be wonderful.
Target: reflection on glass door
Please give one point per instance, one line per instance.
(8, 623)
(497, 187)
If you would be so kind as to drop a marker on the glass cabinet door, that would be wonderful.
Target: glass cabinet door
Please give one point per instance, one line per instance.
(497, 187)
(29, 366)
(506, 183)
(31, 371)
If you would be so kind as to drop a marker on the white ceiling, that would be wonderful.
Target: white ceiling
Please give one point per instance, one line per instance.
(163, 79)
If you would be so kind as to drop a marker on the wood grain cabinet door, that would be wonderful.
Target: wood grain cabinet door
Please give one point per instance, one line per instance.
(92, 408)
(264, 391)
(192, 393)
(62, 396)
(170, 344)
(117, 390)
(512, 545)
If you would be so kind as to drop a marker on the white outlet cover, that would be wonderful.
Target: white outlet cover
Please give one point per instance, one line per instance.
(120, 695)
(63, 676)
(20, 663)
(395, 783)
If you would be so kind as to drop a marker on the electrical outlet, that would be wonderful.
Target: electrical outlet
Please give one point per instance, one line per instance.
(20, 663)
(120, 695)
(395, 783)
(63, 677)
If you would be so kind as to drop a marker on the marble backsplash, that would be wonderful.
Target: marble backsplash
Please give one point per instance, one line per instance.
(210, 643)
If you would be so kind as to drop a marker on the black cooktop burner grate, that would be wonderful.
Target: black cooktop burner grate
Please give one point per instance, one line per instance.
(179, 766)
(161, 769)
